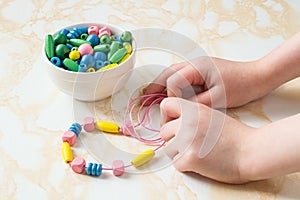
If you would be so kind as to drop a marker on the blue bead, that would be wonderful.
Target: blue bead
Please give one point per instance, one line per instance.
(88, 60)
(106, 63)
(76, 128)
(55, 61)
(119, 39)
(64, 31)
(89, 169)
(100, 56)
(94, 169)
(99, 64)
(82, 68)
(94, 39)
(81, 30)
(69, 46)
(70, 36)
(76, 34)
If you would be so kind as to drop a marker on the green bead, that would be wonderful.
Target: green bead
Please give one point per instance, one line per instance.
(126, 36)
(78, 42)
(70, 64)
(83, 36)
(113, 48)
(49, 46)
(105, 39)
(118, 55)
(62, 51)
(60, 39)
(102, 48)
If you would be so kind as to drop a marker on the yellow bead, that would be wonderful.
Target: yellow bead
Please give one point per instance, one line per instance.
(143, 158)
(128, 48)
(67, 152)
(74, 55)
(108, 67)
(90, 70)
(107, 127)
(125, 58)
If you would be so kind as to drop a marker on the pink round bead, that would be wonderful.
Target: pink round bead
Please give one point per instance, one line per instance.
(128, 128)
(85, 49)
(69, 137)
(88, 124)
(78, 165)
(118, 167)
(93, 30)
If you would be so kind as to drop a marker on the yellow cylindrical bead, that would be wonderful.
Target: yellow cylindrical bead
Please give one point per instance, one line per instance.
(67, 152)
(124, 58)
(143, 158)
(107, 127)
(108, 67)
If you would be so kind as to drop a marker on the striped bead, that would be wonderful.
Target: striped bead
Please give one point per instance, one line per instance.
(94, 169)
(76, 128)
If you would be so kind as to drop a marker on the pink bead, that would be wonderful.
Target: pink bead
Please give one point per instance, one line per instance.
(128, 128)
(69, 137)
(85, 49)
(118, 167)
(93, 30)
(104, 31)
(88, 124)
(78, 165)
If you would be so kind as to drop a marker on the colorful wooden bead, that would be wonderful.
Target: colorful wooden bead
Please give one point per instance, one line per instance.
(118, 55)
(60, 39)
(104, 31)
(78, 165)
(91, 69)
(70, 65)
(127, 46)
(102, 48)
(124, 58)
(93, 39)
(49, 46)
(113, 48)
(85, 49)
(70, 137)
(64, 31)
(74, 55)
(126, 36)
(143, 158)
(109, 66)
(77, 42)
(118, 167)
(88, 124)
(93, 30)
(83, 36)
(55, 61)
(62, 51)
(88, 60)
(76, 128)
(100, 56)
(99, 64)
(67, 152)
(94, 169)
(108, 127)
(82, 68)
(105, 39)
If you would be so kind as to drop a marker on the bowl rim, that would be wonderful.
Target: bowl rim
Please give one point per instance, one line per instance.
(97, 72)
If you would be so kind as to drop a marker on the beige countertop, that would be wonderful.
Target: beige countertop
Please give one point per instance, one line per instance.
(34, 113)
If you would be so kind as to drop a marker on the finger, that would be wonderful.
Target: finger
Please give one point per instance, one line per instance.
(159, 83)
(185, 77)
(170, 108)
(170, 129)
(203, 97)
(170, 150)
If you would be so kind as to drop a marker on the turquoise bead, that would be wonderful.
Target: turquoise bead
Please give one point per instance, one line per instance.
(55, 61)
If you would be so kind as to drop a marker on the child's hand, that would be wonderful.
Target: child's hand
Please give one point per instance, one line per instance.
(204, 140)
(225, 83)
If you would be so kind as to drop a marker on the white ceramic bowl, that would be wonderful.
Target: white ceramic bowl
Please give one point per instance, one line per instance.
(96, 85)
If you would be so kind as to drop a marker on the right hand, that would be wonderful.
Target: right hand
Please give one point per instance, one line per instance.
(225, 83)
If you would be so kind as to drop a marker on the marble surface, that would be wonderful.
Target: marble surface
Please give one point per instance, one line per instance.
(34, 113)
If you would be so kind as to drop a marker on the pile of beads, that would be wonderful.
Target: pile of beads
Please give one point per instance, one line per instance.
(88, 49)
(78, 164)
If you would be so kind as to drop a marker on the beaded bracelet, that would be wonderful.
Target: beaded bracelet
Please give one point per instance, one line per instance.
(78, 164)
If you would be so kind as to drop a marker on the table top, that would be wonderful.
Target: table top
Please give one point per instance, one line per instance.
(34, 113)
